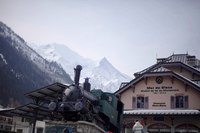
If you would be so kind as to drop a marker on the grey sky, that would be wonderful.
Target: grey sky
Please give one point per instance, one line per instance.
(129, 33)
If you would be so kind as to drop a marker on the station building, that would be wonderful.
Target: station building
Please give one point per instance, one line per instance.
(164, 97)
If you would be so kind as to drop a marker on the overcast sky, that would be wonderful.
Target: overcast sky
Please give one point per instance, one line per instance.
(130, 34)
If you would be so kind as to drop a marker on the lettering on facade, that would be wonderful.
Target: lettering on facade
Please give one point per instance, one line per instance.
(159, 104)
(159, 89)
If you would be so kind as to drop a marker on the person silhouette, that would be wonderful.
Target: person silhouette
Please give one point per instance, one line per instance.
(137, 127)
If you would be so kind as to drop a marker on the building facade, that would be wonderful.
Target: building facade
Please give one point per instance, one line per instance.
(16, 124)
(164, 97)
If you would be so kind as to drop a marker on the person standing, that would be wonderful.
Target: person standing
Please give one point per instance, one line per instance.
(137, 127)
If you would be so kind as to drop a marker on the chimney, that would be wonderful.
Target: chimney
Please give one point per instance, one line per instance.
(77, 72)
(86, 85)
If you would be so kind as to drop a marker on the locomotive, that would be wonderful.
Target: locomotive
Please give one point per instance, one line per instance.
(81, 103)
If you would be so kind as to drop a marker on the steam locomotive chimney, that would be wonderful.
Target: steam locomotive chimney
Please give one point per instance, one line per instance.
(77, 72)
(86, 84)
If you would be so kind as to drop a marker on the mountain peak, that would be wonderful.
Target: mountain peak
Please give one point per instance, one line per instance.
(103, 74)
(104, 60)
(107, 65)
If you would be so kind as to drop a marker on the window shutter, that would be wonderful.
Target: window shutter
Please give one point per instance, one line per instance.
(172, 102)
(186, 102)
(133, 103)
(146, 102)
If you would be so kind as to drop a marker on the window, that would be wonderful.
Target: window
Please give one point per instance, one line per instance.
(1, 118)
(159, 128)
(186, 128)
(39, 130)
(140, 102)
(179, 101)
(8, 128)
(23, 119)
(10, 121)
(110, 99)
(19, 131)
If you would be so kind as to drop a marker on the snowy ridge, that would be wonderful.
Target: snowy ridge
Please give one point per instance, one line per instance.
(22, 69)
(3, 59)
(101, 73)
(21, 46)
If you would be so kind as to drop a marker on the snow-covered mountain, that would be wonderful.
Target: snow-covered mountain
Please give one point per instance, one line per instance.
(16, 42)
(102, 74)
(22, 69)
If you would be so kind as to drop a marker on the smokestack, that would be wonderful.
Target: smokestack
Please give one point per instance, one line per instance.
(77, 72)
(86, 84)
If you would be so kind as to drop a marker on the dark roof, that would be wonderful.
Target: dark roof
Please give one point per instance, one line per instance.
(39, 108)
(32, 111)
(48, 93)
(184, 58)
(145, 70)
(189, 67)
(174, 58)
(160, 67)
(178, 58)
(4, 111)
